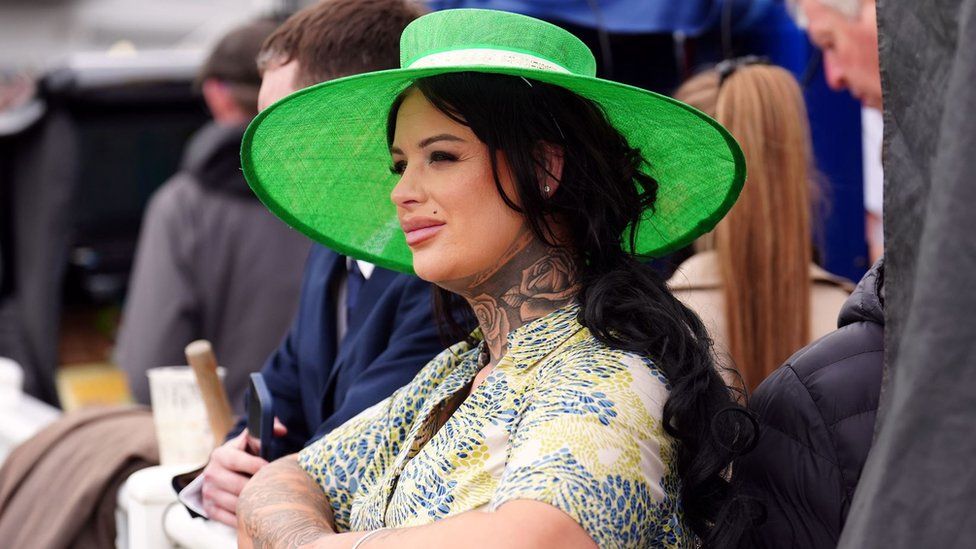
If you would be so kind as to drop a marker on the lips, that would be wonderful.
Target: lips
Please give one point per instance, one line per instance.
(420, 229)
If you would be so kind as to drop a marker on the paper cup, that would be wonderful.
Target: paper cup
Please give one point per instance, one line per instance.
(182, 427)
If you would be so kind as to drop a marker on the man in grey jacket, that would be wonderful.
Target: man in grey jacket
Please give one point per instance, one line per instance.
(212, 261)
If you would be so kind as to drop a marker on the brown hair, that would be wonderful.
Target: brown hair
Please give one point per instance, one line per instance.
(335, 38)
(232, 62)
(764, 245)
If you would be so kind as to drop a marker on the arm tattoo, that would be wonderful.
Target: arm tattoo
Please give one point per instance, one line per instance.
(283, 507)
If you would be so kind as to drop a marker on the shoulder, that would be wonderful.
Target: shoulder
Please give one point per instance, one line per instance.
(403, 287)
(178, 192)
(824, 279)
(698, 272)
(829, 295)
(319, 253)
(850, 354)
(320, 260)
(826, 395)
(588, 366)
(413, 293)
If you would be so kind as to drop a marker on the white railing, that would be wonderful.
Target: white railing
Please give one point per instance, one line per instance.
(21, 416)
(150, 517)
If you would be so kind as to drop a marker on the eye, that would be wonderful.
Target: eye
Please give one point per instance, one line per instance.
(398, 167)
(441, 156)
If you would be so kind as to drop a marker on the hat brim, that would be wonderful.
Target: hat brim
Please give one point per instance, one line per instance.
(319, 160)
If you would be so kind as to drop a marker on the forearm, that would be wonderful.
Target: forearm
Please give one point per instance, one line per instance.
(516, 525)
(282, 507)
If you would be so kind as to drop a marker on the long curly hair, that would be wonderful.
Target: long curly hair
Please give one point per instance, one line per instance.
(602, 193)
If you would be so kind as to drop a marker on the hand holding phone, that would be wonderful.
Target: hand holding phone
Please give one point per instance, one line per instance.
(260, 417)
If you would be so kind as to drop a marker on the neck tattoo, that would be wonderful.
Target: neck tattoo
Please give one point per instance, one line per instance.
(529, 281)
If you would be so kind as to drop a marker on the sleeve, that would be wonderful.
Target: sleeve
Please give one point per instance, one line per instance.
(590, 443)
(357, 453)
(281, 370)
(281, 375)
(412, 344)
(160, 315)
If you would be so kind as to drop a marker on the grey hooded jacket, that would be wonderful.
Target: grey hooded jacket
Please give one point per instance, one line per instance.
(212, 262)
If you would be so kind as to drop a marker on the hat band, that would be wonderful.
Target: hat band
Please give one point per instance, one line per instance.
(486, 57)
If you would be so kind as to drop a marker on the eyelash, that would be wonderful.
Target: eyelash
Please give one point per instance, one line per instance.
(437, 156)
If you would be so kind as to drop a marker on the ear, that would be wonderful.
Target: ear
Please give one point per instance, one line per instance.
(221, 102)
(552, 163)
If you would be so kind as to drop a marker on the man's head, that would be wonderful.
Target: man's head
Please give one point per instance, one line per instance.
(229, 79)
(846, 31)
(332, 39)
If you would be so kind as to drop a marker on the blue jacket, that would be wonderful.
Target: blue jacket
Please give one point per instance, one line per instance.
(316, 384)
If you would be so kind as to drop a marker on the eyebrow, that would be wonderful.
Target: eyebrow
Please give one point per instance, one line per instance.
(429, 141)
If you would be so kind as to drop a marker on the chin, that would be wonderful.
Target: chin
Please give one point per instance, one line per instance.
(431, 269)
(445, 270)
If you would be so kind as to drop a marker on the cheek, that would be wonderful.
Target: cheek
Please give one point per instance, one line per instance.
(493, 210)
(482, 228)
(487, 221)
(492, 229)
(866, 50)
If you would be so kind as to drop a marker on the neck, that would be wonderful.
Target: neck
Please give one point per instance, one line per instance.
(529, 281)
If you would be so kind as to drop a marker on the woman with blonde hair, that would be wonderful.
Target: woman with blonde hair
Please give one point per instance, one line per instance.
(753, 280)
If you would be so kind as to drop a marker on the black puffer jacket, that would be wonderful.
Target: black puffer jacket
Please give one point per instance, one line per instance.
(817, 416)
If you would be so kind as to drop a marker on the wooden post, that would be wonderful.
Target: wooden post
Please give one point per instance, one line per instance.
(200, 356)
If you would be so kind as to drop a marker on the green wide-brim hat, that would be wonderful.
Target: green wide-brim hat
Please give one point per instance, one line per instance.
(319, 158)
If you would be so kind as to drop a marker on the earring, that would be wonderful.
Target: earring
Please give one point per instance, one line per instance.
(546, 189)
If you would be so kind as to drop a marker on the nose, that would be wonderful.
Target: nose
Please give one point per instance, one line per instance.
(408, 192)
(834, 72)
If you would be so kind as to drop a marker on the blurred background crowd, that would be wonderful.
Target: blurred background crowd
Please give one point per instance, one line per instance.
(98, 100)
(127, 229)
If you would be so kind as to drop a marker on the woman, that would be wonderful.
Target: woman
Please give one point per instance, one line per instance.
(586, 409)
(753, 280)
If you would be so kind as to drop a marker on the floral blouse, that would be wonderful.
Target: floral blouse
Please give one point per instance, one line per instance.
(562, 419)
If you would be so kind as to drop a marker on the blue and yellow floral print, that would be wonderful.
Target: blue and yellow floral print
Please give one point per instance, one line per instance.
(562, 419)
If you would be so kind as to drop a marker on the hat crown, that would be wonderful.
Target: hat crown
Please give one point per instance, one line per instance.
(463, 37)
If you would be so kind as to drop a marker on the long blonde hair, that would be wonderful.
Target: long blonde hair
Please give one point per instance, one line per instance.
(764, 244)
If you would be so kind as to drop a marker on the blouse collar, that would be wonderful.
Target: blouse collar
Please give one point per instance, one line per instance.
(532, 341)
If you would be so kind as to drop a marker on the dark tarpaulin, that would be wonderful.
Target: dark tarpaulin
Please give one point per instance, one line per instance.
(918, 488)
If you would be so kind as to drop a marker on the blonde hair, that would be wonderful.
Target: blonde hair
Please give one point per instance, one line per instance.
(764, 245)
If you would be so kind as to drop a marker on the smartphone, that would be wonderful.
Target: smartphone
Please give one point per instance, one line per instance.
(260, 417)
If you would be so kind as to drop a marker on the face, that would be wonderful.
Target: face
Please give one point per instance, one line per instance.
(454, 219)
(850, 49)
(277, 81)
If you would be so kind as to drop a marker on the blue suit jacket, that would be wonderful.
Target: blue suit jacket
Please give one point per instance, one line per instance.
(318, 385)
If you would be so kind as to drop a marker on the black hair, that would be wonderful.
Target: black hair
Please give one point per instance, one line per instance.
(602, 194)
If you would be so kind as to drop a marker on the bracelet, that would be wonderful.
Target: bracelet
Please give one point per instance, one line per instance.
(370, 534)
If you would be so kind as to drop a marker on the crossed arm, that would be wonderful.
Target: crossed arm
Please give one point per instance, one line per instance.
(283, 507)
